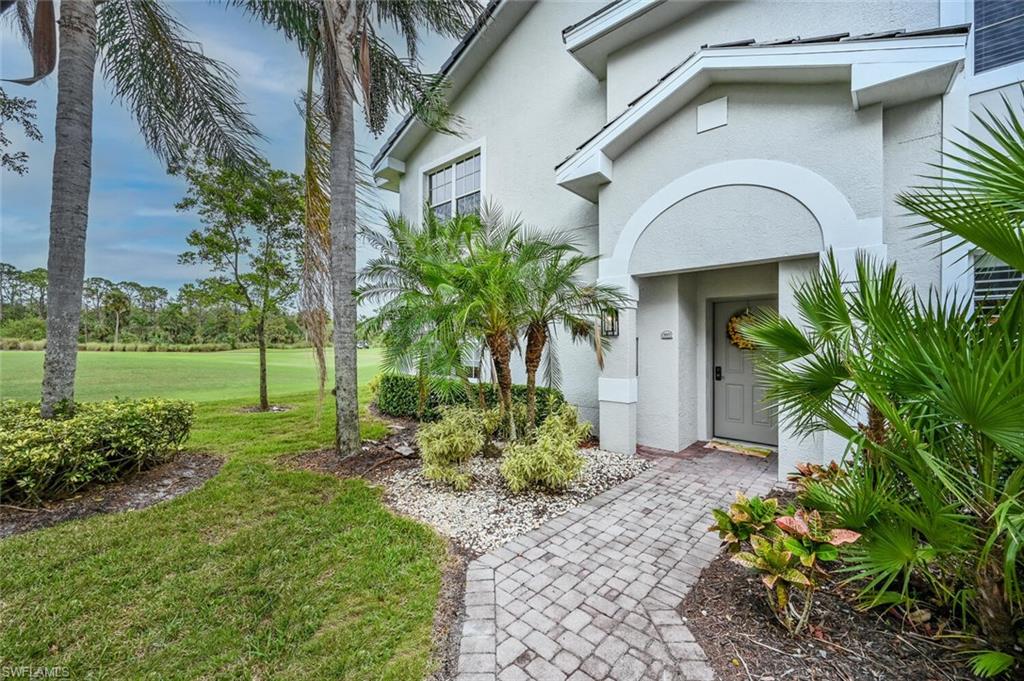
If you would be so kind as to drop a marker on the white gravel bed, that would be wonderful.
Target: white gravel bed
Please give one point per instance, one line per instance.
(489, 515)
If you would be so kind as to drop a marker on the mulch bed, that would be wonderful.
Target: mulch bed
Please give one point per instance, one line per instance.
(377, 460)
(184, 473)
(727, 613)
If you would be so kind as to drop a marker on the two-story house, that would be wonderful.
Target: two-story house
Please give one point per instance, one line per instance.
(711, 153)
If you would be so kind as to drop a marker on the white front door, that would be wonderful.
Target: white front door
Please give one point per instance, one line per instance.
(740, 412)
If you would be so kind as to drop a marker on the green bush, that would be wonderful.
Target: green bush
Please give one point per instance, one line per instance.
(49, 458)
(447, 444)
(553, 460)
(30, 328)
(373, 387)
(398, 395)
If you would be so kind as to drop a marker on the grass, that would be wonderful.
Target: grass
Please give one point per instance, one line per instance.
(198, 376)
(264, 572)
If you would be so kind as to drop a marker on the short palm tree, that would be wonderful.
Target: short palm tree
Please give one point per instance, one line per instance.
(181, 99)
(409, 280)
(343, 38)
(947, 383)
(117, 303)
(491, 294)
(558, 296)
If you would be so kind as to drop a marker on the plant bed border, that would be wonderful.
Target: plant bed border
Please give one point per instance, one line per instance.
(136, 491)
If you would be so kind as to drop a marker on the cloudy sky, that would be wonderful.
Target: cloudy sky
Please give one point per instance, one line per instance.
(134, 231)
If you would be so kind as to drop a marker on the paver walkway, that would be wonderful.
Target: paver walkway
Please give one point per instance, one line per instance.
(591, 595)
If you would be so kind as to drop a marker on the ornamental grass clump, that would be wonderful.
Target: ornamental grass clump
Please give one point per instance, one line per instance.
(101, 441)
(552, 461)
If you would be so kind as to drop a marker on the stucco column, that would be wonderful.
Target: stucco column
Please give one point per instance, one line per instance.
(793, 448)
(617, 385)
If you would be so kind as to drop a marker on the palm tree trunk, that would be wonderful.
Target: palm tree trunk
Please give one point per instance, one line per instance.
(339, 69)
(261, 339)
(117, 328)
(536, 338)
(69, 203)
(501, 354)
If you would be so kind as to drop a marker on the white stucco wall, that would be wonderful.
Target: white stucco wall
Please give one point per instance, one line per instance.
(813, 126)
(912, 135)
(726, 225)
(636, 67)
(525, 105)
(792, 448)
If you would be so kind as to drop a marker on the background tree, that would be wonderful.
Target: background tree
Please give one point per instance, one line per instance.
(180, 98)
(36, 281)
(22, 112)
(94, 290)
(250, 238)
(9, 283)
(343, 37)
(118, 304)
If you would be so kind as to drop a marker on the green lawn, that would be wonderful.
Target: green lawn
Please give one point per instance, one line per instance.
(265, 572)
(198, 376)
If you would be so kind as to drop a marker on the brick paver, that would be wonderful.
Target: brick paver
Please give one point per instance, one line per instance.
(591, 595)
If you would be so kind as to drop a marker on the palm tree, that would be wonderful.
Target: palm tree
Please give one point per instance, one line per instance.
(118, 304)
(181, 99)
(947, 383)
(455, 286)
(410, 281)
(343, 37)
(557, 296)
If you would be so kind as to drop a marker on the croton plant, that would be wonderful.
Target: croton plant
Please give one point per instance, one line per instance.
(786, 546)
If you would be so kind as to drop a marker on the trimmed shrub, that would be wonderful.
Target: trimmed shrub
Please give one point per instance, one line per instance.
(50, 458)
(447, 444)
(398, 395)
(373, 387)
(553, 460)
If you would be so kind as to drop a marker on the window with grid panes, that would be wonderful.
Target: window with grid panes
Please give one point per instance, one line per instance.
(455, 189)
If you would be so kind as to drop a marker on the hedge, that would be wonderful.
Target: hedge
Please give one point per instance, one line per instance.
(50, 458)
(93, 346)
(398, 395)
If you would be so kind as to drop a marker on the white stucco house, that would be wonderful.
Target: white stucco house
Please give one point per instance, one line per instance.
(711, 153)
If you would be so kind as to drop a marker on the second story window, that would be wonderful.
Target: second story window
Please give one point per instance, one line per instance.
(998, 33)
(455, 189)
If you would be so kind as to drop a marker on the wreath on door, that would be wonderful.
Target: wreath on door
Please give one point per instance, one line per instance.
(733, 330)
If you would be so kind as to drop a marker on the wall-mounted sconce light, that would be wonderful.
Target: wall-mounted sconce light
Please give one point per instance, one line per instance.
(610, 323)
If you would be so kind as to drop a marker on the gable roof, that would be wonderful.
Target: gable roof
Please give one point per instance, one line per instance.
(494, 24)
(880, 67)
(617, 24)
(497, 20)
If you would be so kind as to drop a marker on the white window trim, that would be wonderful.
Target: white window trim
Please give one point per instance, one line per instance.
(954, 12)
(478, 146)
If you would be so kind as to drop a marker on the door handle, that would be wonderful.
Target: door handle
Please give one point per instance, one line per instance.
(718, 373)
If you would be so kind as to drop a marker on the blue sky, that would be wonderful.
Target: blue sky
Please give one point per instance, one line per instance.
(134, 231)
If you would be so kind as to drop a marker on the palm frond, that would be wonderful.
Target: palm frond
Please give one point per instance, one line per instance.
(181, 98)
